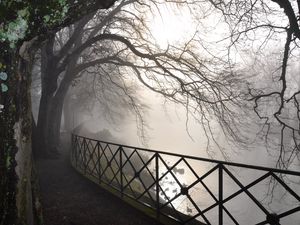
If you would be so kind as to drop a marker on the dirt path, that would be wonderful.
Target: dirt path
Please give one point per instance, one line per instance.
(69, 199)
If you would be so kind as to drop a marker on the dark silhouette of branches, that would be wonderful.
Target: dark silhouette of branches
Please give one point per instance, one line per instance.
(275, 22)
(207, 89)
(206, 74)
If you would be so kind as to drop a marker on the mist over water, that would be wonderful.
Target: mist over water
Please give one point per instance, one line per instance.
(167, 131)
(166, 128)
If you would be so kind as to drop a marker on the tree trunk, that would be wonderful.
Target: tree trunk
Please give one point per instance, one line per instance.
(16, 202)
(54, 121)
(54, 106)
(55, 114)
(49, 85)
(41, 134)
(68, 115)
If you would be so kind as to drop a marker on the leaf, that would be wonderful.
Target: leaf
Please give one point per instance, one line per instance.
(12, 45)
(4, 88)
(23, 12)
(46, 18)
(3, 76)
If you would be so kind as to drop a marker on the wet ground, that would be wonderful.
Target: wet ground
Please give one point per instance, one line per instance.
(70, 199)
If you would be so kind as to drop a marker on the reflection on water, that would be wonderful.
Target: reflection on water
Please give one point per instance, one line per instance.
(203, 193)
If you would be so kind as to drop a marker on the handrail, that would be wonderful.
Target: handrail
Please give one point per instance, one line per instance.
(141, 175)
(276, 170)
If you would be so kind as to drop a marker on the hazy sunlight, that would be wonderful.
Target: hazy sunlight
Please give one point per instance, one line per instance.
(171, 26)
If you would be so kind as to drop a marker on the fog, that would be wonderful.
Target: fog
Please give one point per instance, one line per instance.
(168, 130)
(165, 126)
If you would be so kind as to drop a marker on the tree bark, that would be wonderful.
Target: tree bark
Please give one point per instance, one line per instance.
(49, 84)
(41, 134)
(52, 101)
(68, 116)
(50, 118)
(15, 155)
(54, 120)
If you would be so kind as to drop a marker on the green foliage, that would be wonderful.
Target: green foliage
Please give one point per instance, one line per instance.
(16, 29)
(20, 19)
(57, 13)
(3, 76)
(4, 88)
(8, 163)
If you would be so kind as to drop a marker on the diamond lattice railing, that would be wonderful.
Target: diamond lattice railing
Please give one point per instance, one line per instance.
(191, 190)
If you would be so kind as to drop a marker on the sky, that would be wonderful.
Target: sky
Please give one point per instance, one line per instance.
(172, 26)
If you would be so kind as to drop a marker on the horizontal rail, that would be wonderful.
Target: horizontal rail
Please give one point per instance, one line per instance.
(146, 177)
(248, 166)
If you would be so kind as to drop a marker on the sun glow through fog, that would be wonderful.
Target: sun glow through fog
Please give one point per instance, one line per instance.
(171, 26)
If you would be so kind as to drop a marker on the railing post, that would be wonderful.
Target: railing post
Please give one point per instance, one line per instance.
(72, 148)
(71, 151)
(84, 154)
(99, 161)
(121, 170)
(75, 149)
(220, 194)
(273, 219)
(157, 184)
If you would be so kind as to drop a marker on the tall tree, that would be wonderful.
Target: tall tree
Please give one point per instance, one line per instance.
(121, 38)
(24, 25)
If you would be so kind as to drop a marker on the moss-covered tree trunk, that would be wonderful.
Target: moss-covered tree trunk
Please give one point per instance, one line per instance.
(15, 120)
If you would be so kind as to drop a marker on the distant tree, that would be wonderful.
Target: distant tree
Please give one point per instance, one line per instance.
(109, 96)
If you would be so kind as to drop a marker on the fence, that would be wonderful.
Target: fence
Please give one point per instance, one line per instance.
(190, 190)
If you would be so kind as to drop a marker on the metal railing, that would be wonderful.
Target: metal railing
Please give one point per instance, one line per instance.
(191, 190)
